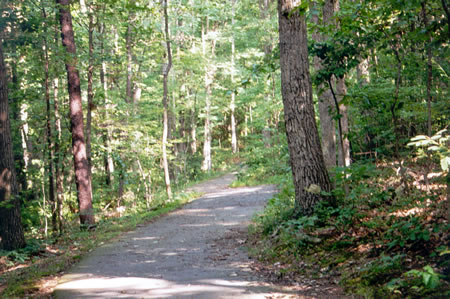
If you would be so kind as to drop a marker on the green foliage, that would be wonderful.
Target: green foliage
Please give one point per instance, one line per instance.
(434, 145)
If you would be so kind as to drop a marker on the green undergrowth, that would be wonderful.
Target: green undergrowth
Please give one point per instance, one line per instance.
(386, 237)
(263, 166)
(42, 259)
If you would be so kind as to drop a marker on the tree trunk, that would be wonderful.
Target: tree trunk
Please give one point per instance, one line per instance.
(362, 72)
(307, 163)
(209, 74)
(51, 180)
(345, 159)
(166, 70)
(11, 231)
(107, 132)
(59, 173)
(193, 126)
(326, 110)
(128, 41)
(90, 87)
(234, 145)
(429, 69)
(81, 166)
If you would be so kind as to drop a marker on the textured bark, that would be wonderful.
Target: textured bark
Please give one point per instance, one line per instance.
(11, 231)
(81, 166)
(307, 163)
(166, 69)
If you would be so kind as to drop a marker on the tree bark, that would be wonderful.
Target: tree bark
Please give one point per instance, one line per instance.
(193, 126)
(59, 173)
(81, 166)
(429, 69)
(107, 132)
(327, 124)
(234, 145)
(50, 169)
(90, 92)
(128, 41)
(209, 73)
(166, 70)
(306, 159)
(11, 231)
(344, 153)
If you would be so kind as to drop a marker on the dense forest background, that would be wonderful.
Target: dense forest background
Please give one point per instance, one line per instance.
(174, 91)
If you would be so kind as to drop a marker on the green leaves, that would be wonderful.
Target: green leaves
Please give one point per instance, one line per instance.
(430, 278)
(436, 144)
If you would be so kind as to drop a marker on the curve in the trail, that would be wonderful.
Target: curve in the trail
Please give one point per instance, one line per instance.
(184, 254)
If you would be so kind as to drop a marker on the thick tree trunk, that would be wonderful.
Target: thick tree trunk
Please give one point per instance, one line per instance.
(166, 70)
(11, 231)
(307, 163)
(81, 166)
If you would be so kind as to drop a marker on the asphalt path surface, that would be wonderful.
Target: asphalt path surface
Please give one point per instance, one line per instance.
(197, 251)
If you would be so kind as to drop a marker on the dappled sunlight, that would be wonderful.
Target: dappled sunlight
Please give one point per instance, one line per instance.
(193, 252)
(95, 287)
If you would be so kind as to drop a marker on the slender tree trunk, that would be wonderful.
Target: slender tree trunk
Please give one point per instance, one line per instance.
(429, 70)
(107, 132)
(345, 159)
(128, 41)
(11, 231)
(81, 165)
(166, 70)
(209, 73)
(193, 127)
(51, 180)
(326, 110)
(90, 88)
(59, 173)
(306, 158)
(59, 156)
(362, 72)
(234, 145)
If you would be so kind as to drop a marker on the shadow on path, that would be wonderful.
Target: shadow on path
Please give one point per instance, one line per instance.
(177, 256)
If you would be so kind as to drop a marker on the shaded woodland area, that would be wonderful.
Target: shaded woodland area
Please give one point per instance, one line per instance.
(109, 109)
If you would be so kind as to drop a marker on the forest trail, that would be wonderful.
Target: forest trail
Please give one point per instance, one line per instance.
(194, 252)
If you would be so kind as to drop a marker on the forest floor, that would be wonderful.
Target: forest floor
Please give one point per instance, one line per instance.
(198, 251)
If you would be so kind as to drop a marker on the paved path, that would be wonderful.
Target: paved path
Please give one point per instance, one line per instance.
(193, 252)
